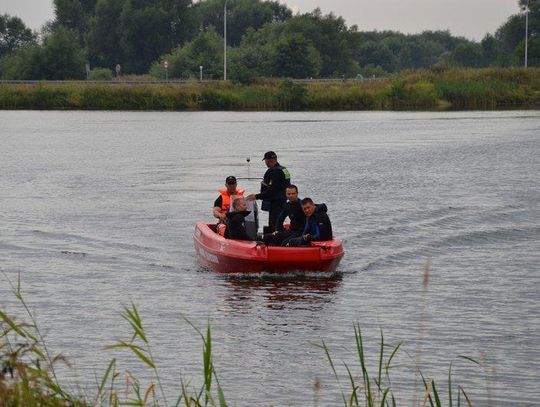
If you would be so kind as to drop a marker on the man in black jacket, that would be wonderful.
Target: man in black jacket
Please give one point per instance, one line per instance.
(293, 211)
(275, 180)
(236, 227)
(317, 226)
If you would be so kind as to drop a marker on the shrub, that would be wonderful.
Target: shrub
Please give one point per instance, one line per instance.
(291, 96)
(101, 74)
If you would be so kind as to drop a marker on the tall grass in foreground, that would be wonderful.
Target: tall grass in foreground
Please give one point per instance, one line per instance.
(375, 389)
(367, 389)
(28, 378)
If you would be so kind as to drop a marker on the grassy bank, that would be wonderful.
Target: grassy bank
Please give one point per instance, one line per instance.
(445, 89)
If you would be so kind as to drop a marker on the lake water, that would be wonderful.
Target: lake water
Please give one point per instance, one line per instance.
(98, 208)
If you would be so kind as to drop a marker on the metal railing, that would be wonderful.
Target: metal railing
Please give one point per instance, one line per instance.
(177, 81)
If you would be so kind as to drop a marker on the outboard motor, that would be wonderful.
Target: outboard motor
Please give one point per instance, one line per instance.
(252, 220)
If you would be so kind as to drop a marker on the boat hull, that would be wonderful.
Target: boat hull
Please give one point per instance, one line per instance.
(238, 256)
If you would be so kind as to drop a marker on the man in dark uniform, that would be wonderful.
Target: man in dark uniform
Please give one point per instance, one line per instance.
(276, 179)
(293, 211)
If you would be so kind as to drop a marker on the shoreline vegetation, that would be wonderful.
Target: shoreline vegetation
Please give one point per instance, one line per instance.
(421, 90)
(28, 370)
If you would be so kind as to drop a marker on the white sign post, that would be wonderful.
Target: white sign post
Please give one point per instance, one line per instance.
(166, 66)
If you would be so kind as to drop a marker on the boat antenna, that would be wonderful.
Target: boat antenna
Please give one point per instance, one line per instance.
(249, 177)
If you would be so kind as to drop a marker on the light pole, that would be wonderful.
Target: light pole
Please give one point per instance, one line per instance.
(166, 65)
(225, 41)
(200, 73)
(526, 30)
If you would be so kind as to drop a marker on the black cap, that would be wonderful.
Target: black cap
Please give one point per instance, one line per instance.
(231, 180)
(269, 155)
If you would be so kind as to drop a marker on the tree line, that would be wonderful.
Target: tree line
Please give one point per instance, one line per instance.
(264, 39)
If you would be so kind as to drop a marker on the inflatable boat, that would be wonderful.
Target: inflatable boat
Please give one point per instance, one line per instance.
(239, 256)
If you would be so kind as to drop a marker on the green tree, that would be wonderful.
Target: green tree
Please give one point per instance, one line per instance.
(62, 57)
(14, 34)
(419, 54)
(443, 38)
(490, 49)
(134, 33)
(70, 14)
(103, 37)
(376, 54)
(24, 63)
(253, 58)
(295, 57)
(467, 55)
(533, 32)
(205, 50)
(241, 15)
(330, 37)
(509, 36)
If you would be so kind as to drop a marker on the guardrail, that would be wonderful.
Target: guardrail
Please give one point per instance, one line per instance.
(114, 82)
(178, 81)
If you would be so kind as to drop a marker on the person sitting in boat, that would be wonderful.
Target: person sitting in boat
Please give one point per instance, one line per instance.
(317, 226)
(293, 211)
(222, 205)
(236, 226)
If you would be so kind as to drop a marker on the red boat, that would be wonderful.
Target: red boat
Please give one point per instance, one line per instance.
(240, 256)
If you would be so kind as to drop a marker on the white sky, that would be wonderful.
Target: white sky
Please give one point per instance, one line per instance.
(468, 18)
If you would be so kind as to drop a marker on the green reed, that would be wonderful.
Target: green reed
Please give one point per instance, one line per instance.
(27, 368)
(376, 389)
(435, 89)
(28, 375)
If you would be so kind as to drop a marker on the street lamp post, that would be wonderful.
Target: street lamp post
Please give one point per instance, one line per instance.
(526, 30)
(225, 41)
(166, 65)
(200, 72)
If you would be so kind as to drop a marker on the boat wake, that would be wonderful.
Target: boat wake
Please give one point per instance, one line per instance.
(296, 275)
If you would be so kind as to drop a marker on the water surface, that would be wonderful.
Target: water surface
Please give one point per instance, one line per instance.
(97, 210)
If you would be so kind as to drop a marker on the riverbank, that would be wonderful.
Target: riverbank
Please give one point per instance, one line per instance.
(436, 89)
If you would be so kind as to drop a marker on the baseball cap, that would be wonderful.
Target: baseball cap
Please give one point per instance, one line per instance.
(269, 155)
(230, 180)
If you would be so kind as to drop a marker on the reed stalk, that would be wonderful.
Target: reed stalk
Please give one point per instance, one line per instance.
(27, 376)
(436, 89)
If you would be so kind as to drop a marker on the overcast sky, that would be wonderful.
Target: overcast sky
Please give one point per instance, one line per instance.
(468, 18)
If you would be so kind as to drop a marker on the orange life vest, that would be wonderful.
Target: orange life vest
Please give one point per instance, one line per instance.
(226, 201)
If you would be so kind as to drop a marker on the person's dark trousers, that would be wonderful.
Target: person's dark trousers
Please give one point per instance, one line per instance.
(273, 216)
(280, 239)
(297, 242)
(292, 235)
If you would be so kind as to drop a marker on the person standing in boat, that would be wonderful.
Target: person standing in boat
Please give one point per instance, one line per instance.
(275, 181)
(293, 211)
(317, 226)
(236, 221)
(223, 203)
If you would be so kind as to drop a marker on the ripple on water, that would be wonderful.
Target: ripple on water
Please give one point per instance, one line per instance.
(98, 210)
